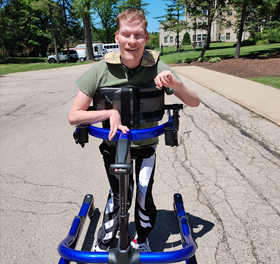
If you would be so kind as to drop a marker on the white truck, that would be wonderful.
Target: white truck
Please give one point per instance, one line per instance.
(97, 51)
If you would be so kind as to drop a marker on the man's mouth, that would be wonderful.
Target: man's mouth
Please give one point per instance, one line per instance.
(132, 49)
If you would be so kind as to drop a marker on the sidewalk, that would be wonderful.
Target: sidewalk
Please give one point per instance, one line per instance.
(261, 99)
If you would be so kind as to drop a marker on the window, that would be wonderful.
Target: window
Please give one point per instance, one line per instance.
(194, 37)
(228, 24)
(199, 37)
(203, 36)
(171, 40)
(205, 12)
(176, 39)
(165, 39)
(204, 23)
(229, 13)
(228, 36)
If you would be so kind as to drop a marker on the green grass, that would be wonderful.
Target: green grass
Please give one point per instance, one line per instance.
(23, 64)
(274, 82)
(222, 50)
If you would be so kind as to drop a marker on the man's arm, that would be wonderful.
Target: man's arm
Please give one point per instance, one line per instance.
(79, 115)
(188, 96)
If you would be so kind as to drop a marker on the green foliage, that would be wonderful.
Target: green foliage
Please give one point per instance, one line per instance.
(186, 38)
(215, 59)
(201, 59)
(186, 60)
(154, 40)
(139, 4)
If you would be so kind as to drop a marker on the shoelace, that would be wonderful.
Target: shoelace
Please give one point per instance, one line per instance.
(144, 247)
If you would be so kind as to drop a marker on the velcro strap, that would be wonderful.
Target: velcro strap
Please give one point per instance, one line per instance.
(125, 106)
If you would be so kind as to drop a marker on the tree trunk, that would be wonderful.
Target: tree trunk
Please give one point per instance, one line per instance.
(207, 40)
(53, 34)
(88, 37)
(240, 32)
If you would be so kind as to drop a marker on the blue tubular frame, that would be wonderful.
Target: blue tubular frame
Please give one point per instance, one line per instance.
(68, 253)
(133, 134)
(66, 248)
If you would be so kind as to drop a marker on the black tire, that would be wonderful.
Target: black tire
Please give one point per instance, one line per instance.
(52, 60)
(82, 59)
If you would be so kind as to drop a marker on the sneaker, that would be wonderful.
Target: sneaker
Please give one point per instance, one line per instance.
(143, 247)
(96, 248)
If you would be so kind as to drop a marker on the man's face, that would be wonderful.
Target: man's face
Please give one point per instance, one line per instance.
(132, 38)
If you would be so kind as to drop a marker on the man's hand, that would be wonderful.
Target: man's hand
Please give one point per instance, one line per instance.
(186, 95)
(115, 124)
(167, 79)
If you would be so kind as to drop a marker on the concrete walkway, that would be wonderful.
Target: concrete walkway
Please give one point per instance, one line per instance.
(261, 99)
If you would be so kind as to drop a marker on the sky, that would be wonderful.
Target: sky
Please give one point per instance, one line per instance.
(155, 9)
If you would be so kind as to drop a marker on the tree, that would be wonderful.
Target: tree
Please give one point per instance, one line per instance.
(171, 21)
(154, 40)
(253, 14)
(139, 4)
(106, 12)
(186, 38)
(83, 11)
(209, 11)
(23, 29)
(243, 4)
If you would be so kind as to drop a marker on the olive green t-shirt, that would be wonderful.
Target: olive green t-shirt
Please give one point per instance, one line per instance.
(110, 72)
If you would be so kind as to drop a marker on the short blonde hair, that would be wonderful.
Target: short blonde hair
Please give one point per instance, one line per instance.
(132, 14)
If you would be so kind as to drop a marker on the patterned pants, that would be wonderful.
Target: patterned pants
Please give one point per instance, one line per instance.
(145, 210)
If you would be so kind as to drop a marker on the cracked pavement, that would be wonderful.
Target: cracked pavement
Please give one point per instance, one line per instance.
(227, 168)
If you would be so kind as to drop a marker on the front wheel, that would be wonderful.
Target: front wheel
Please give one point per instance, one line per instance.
(192, 260)
(52, 60)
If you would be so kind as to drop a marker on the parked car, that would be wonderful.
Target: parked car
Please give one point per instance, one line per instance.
(63, 57)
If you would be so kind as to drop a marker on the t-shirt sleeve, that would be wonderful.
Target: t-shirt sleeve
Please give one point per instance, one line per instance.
(89, 81)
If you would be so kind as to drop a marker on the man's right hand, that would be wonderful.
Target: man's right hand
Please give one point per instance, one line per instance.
(115, 124)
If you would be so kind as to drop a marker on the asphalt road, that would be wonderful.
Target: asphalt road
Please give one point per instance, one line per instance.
(227, 168)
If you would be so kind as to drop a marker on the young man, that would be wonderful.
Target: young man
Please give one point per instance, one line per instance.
(136, 67)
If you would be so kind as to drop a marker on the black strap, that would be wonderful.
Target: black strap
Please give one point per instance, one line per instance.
(136, 106)
(125, 106)
(151, 94)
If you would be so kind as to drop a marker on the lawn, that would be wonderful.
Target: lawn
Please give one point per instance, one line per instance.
(23, 64)
(274, 82)
(220, 50)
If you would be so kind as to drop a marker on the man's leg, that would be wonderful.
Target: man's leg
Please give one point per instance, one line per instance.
(145, 209)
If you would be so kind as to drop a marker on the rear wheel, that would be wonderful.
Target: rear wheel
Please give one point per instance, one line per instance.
(82, 59)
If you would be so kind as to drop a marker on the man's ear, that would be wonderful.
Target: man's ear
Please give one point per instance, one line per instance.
(117, 37)
(147, 37)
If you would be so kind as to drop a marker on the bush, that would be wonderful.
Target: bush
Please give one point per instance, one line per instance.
(248, 42)
(186, 38)
(201, 59)
(215, 59)
(187, 60)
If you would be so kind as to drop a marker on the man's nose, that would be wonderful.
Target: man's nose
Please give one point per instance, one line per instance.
(132, 38)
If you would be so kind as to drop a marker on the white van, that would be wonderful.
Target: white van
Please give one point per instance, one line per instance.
(110, 47)
(82, 54)
(97, 51)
